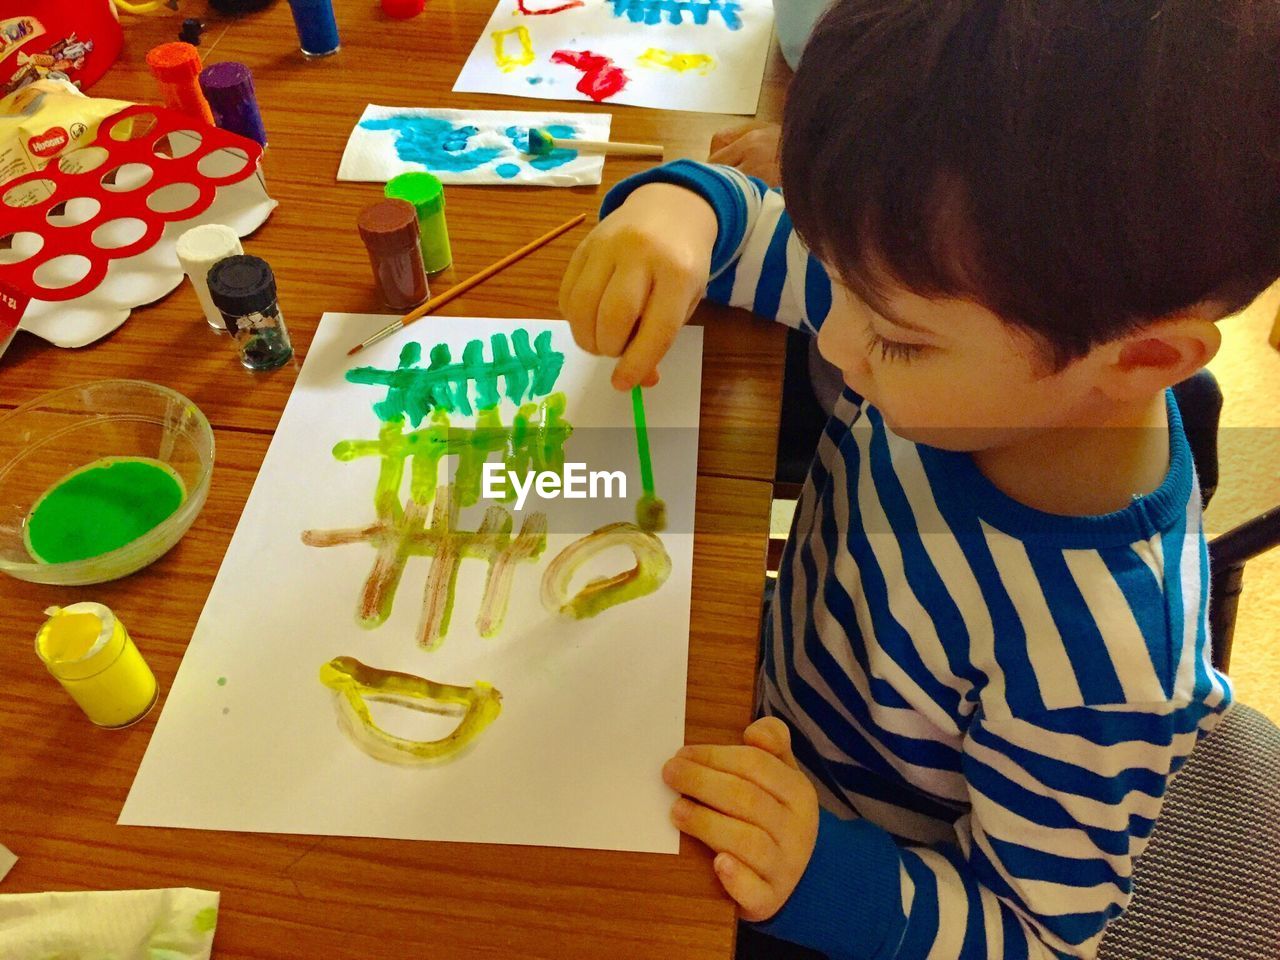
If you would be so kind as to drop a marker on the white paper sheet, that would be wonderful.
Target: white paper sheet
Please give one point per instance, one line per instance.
(471, 146)
(248, 739)
(706, 55)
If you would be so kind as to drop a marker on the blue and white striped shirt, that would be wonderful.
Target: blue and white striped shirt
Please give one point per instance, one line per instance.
(991, 700)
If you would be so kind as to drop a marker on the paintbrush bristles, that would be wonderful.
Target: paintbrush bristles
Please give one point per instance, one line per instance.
(382, 334)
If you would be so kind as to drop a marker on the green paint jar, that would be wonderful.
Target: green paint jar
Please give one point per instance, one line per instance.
(426, 193)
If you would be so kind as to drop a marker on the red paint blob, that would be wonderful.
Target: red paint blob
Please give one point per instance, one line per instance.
(540, 13)
(402, 9)
(600, 78)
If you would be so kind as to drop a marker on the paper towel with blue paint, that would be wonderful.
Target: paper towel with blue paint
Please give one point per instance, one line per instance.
(471, 146)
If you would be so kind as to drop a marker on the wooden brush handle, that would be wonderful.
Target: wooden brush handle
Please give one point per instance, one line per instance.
(610, 147)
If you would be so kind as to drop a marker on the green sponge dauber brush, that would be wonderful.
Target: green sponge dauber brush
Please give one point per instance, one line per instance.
(542, 143)
(651, 512)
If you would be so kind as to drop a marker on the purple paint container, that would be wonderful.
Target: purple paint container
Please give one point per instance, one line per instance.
(229, 89)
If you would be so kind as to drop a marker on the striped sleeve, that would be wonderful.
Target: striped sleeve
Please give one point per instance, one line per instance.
(1061, 805)
(759, 262)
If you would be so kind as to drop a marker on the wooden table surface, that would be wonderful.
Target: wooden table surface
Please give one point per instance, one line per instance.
(62, 781)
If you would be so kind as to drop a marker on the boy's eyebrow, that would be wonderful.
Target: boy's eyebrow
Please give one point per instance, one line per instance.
(883, 310)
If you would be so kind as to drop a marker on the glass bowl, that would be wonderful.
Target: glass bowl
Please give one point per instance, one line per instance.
(44, 441)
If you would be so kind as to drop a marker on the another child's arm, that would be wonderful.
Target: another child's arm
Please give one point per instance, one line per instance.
(636, 279)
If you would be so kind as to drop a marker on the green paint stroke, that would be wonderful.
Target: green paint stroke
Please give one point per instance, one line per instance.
(101, 507)
(205, 920)
(445, 386)
(534, 442)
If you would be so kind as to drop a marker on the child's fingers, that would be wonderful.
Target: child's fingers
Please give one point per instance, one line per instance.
(731, 795)
(753, 895)
(731, 154)
(570, 279)
(583, 302)
(745, 841)
(664, 314)
(722, 138)
(749, 763)
(620, 308)
(772, 735)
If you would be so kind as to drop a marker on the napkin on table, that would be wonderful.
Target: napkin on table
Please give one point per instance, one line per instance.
(173, 924)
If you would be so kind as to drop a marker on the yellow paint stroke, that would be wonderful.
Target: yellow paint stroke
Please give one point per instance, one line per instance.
(354, 684)
(506, 62)
(653, 566)
(660, 59)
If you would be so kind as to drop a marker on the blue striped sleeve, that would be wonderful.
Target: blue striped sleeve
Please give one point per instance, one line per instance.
(1042, 864)
(759, 262)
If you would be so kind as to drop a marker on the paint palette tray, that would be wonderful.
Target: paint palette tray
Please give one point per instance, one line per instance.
(91, 235)
(44, 442)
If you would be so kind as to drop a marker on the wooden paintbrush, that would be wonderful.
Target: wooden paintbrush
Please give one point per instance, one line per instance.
(542, 143)
(460, 288)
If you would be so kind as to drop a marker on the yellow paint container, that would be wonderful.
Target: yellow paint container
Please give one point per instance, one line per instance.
(94, 658)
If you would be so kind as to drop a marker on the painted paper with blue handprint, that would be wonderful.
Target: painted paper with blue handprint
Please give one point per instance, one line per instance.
(471, 146)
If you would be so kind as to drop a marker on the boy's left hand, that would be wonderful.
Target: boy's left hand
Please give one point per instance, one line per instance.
(755, 808)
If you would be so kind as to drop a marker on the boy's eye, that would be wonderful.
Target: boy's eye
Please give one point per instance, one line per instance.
(893, 349)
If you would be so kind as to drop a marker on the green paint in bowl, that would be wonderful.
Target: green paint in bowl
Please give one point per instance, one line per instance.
(101, 507)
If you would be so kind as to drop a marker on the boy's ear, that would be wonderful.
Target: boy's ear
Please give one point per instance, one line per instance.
(1159, 355)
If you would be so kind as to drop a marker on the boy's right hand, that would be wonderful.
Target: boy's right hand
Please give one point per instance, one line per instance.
(637, 277)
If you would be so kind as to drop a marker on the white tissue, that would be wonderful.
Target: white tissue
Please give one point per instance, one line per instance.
(173, 924)
(459, 138)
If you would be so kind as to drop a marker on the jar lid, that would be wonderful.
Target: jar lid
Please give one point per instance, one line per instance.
(174, 62)
(388, 224)
(423, 190)
(73, 653)
(208, 243)
(242, 285)
(228, 80)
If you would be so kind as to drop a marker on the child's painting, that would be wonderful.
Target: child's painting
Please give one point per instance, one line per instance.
(440, 616)
(471, 146)
(706, 55)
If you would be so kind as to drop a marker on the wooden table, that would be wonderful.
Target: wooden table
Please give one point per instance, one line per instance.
(62, 782)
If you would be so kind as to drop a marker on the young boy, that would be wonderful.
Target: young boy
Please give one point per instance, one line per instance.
(987, 655)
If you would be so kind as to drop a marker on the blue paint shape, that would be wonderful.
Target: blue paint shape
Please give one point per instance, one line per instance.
(652, 12)
(436, 144)
(507, 170)
(561, 131)
(533, 80)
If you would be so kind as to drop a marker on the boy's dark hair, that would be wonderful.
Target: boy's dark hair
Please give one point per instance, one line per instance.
(1079, 167)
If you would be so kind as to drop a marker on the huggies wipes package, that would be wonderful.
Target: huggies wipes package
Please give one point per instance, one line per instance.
(41, 122)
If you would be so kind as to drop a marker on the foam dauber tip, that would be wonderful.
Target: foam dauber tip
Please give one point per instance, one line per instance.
(651, 514)
(540, 142)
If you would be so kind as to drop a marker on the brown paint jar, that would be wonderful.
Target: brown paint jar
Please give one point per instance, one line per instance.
(389, 229)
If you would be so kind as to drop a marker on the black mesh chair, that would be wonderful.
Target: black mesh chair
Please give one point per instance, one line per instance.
(1208, 885)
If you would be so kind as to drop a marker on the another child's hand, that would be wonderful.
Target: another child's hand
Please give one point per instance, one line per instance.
(755, 808)
(637, 277)
(752, 148)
